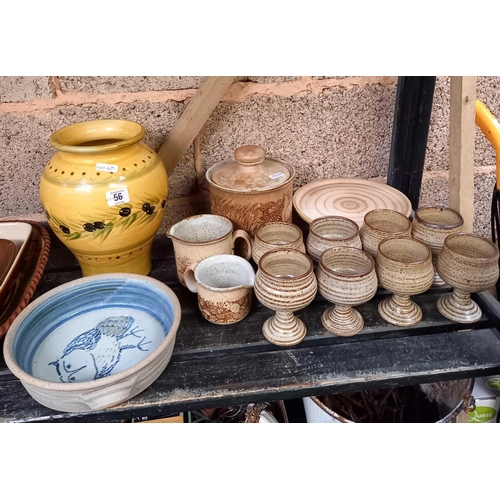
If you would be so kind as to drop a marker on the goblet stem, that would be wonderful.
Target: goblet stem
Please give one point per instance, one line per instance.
(342, 320)
(284, 329)
(459, 307)
(438, 281)
(400, 310)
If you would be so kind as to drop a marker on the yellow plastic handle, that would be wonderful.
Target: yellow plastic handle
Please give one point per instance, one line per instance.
(491, 129)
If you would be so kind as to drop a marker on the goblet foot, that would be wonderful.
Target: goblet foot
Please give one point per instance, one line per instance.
(459, 307)
(400, 310)
(438, 281)
(342, 320)
(284, 329)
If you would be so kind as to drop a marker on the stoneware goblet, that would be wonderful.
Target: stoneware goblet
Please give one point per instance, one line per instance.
(381, 224)
(404, 267)
(285, 283)
(469, 264)
(275, 236)
(331, 232)
(431, 225)
(346, 276)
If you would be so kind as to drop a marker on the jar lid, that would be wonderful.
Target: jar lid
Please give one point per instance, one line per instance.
(251, 171)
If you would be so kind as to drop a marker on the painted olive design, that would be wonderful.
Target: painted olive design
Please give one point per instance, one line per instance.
(125, 212)
(89, 227)
(148, 208)
(99, 225)
(64, 229)
(163, 203)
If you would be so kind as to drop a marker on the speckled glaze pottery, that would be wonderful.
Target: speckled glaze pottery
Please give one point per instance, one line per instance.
(331, 232)
(200, 236)
(469, 264)
(381, 224)
(224, 285)
(346, 276)
(431, 225)
(252, 189)
(275, 236)
(404, 267)
(104, 194)
(94, 342)
(285, 282)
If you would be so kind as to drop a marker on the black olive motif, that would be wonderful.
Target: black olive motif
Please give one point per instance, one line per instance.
(64, 229)
(99, 225)
(89, 227)
(125, 212)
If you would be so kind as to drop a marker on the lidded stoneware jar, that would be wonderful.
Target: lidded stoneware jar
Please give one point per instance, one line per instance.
(251, 190)
(104, 193)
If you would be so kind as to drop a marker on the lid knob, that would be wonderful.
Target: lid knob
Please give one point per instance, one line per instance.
(250, 155)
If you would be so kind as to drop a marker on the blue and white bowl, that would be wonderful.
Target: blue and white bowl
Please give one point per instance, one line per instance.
(94, 342)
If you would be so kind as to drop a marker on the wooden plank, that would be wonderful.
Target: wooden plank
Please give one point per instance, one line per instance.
(462, 137)
(192, 119)
(287, 373)
(410, 129)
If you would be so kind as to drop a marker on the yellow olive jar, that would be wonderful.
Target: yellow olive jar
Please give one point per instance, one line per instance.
(104, 194)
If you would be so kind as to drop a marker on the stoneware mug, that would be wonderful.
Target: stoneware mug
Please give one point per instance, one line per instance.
(200, 236)
(224, 285)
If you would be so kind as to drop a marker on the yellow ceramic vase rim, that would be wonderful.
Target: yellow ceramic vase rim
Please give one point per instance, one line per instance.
(122, 133)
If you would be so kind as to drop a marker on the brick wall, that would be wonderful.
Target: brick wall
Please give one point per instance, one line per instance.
(324, 126)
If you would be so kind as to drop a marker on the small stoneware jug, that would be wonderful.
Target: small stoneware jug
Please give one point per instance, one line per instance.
(431, 225)
(275, 236)
(224, 285)
(201, 236)
(469, 264)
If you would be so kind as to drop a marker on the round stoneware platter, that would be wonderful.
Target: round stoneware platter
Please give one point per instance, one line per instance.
(351, 198)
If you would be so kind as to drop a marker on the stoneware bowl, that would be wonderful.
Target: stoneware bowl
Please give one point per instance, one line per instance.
(285, 282)
(275, 236)
(331, 232)
(431, 225)
(469, 264)
(94, 342)
(346, 276)
(224, 285)
(381, 224)
(404, 267)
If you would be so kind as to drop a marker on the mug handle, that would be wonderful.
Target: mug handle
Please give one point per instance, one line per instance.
(189, 277)
(239, 233)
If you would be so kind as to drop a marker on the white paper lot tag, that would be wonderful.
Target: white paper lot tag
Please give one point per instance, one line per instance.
(117, 197)
(106, 167)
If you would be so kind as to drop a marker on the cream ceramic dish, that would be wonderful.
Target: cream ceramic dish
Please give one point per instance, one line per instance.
(351, 198)
(94, 342)
(19, 233)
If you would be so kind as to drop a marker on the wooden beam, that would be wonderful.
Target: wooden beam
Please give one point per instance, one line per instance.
(192, 120)
(410, 129)
(462, 136)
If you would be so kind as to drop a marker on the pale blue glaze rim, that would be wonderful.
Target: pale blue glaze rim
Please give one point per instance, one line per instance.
(51, 310)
